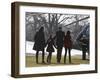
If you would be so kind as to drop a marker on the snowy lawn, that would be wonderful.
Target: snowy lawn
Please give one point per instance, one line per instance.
(30, 51)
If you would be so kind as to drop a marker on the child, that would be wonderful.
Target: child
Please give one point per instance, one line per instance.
(50, 48)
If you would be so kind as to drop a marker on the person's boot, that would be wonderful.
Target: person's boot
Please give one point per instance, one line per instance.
(37, 57)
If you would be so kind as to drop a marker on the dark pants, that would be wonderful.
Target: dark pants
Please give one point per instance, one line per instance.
(84, 52)
(88, 51)
(37, 54)
(49, 57)
(69, 52)
(59, 52)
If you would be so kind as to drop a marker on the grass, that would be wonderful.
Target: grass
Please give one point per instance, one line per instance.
(76, 60)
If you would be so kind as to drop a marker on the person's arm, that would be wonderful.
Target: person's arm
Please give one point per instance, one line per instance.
(63, 34)
(71, 42)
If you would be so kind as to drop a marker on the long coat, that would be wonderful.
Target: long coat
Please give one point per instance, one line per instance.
(67, 41)
(39, 39)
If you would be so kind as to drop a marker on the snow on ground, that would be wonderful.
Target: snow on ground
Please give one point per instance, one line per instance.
(30, 51)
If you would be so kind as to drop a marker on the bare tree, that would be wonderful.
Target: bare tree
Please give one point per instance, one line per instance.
(51, 22)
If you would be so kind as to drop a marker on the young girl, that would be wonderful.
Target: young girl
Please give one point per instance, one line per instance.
(68, 46)
(50, 48)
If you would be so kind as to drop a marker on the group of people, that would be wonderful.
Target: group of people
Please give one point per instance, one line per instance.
(62, 40)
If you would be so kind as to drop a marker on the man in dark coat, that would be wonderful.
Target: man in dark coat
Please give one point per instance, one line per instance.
(39, 44)
(59, 43)
(84, 45)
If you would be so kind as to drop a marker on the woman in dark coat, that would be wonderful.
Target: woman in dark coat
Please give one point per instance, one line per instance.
(68, 46)
(50, 48)
(39, 44)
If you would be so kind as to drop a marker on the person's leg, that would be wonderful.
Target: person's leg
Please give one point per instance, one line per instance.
(59, 55)
(65, 55)
(50, 55)
(69, 55)
(37, 57)
(83, 53)
(48, 58)
(43, 56)
(88, 53)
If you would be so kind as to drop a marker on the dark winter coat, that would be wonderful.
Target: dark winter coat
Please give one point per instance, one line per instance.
(60, 38)
(67, 41)
(39, 39)
(84, 42)
(50, 44)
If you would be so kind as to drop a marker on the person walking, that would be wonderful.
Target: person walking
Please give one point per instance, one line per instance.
(59, 43)
(39, 44)
(68, 46)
